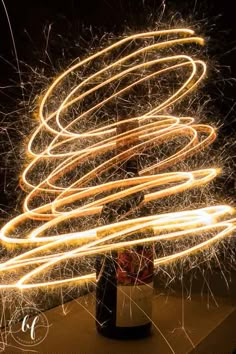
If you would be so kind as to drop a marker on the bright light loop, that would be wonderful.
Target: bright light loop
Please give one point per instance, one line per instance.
(153, 128)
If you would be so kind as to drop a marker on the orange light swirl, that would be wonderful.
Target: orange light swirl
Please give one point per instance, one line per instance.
(153, 128)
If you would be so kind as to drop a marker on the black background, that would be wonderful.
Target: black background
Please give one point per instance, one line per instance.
(30, 21)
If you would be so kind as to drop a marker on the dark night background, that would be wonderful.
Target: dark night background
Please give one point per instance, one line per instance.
(72, 20)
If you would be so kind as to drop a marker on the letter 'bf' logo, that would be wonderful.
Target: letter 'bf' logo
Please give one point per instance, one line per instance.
(29, 326)
(26, 326)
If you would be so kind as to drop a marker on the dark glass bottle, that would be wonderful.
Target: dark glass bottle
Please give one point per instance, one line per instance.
(125, 277)
(124, 293)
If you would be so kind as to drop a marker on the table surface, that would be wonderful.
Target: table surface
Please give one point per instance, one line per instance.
(196, 325)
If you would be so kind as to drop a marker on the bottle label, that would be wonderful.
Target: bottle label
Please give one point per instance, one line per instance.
(134, 287)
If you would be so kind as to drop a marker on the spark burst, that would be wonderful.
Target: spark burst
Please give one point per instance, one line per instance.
(86, 144)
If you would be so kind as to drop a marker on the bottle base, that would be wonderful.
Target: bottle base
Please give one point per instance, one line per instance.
(125, 333)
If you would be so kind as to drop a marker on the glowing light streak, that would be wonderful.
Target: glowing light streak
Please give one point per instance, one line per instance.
(154, 128)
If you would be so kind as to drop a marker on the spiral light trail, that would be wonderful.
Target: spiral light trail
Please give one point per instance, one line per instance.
(151, 128)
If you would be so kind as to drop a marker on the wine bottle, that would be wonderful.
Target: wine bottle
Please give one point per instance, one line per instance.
(125, 277)
(124, 293)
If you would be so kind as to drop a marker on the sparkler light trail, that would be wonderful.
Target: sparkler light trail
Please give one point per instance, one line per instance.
(69, 143)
